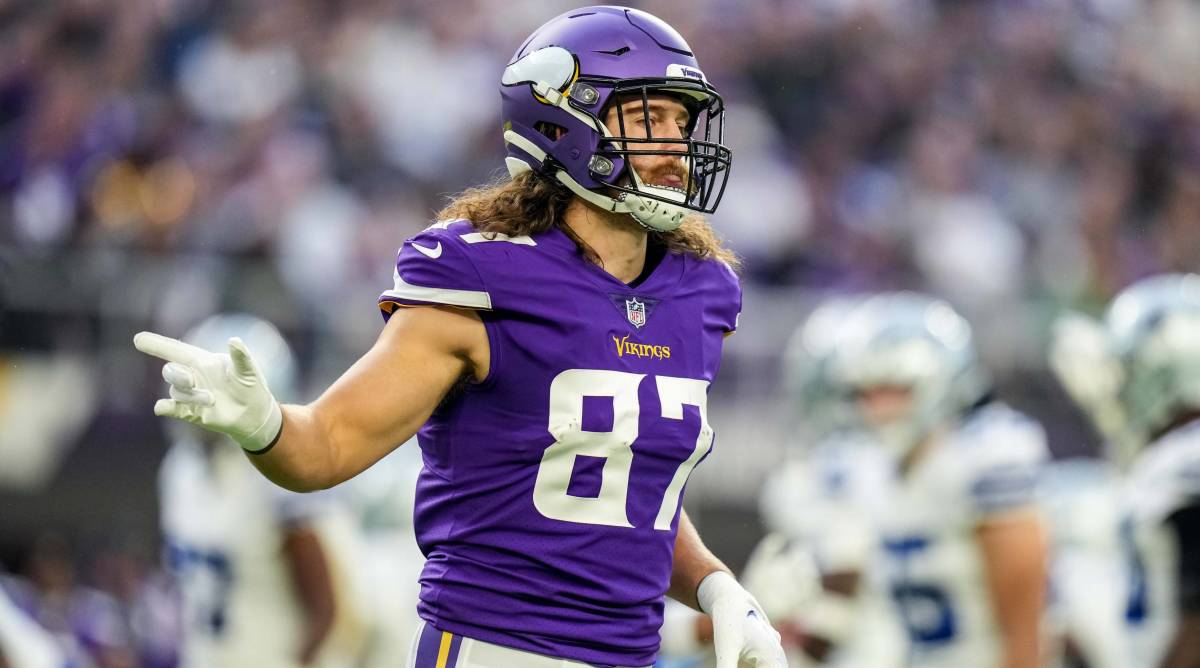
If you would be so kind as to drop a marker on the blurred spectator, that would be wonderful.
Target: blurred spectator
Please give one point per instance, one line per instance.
(83, 618)
(24, 644)
(149, 601)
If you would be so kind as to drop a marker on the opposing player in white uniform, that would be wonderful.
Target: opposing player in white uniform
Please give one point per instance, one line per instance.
(964, 544)
(1138, 376)
(822, 503)
(269, 577)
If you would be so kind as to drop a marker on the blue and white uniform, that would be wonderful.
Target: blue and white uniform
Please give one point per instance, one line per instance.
(225, 525)
(983, 472)
(829, 501)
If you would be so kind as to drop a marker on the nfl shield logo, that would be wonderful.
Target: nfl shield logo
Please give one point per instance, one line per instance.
(636, 312)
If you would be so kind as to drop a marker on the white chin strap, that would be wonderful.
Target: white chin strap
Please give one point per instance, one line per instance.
(650, 213)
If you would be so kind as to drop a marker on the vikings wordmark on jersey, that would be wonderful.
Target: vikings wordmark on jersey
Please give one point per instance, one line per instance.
(548, 506)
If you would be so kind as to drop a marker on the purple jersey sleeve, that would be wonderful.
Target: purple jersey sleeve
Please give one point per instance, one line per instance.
(433, 267)
(730, 307)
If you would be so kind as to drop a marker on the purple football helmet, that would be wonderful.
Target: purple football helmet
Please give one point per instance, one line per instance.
(561, 81)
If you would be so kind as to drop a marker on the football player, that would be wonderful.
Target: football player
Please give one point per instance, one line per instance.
(964, 548)
(822, 502)
(553, 340)
(265, 574)
(1138, 375)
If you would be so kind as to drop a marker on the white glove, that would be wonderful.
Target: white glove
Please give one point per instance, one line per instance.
(741, 631)
(225, 393)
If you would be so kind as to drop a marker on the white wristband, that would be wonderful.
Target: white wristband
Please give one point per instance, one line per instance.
(263, 438)
(712, 586)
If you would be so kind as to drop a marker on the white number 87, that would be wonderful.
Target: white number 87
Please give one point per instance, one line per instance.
(615, 447)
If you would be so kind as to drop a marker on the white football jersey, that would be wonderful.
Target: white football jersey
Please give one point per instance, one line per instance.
(1164, 478)
(224, 525)
(986, 468)
(828, 501)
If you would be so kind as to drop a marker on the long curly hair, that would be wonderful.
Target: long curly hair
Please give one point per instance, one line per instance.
(530, 204)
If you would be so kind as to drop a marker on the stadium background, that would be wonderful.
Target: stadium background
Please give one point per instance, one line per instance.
(164, 159)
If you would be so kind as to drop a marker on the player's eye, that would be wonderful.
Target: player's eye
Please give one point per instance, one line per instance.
(635, 118)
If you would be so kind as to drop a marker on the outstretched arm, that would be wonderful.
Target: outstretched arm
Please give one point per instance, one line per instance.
(379, 403)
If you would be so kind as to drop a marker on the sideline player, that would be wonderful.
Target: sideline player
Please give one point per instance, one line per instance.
(266, 575)
(568, 324)
(1138, 376)
(824, 502)
(965, 548)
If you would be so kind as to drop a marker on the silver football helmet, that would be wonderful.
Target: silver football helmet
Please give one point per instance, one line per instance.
(1138, 370)
(817, 406)
(911, 342)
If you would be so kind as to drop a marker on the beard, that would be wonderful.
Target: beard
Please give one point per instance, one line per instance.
(672, 176)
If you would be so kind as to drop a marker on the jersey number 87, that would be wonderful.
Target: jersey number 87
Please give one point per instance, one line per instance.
(615, 447)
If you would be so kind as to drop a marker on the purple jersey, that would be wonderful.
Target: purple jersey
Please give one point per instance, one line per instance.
(550, 495)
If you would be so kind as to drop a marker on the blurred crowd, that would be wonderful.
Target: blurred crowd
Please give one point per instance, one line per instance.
(995, 153)
(118, 610)
(990, 152)
(164, 159)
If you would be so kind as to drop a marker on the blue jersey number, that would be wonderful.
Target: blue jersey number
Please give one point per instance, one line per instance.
(927, 613)
(924, 606)
(207, 578)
